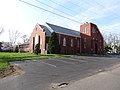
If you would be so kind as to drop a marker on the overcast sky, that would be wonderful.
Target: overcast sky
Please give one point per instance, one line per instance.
(16, 15)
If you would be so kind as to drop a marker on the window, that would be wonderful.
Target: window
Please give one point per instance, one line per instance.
(39, 39)
(93, 29)
(84, 45)
(64, 41)
(84, 30)
(46, 46)
(85, 40)
(71, 42)
(33, 42)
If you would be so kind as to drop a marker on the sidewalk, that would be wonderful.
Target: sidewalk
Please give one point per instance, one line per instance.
(109, 80)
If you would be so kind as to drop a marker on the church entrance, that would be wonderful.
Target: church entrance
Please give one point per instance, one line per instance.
(96, 48)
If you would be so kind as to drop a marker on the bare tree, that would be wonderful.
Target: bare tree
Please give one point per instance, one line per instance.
(1, 30)
(13, 35)
(25, 39)
(112, 40)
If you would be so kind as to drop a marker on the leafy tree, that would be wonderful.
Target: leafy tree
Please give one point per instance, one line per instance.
(37, 49)
(118, 49)
(107, 48)
(112, 40)
(53, 44)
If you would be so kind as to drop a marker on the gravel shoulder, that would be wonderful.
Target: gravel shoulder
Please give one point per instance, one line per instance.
(12, 71)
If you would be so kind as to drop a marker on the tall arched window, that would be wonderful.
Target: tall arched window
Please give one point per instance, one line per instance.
(71, 42)
(85, 30)
(64, 41)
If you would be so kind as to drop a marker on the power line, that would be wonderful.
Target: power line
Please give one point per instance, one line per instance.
(56, 9)
(103, 6)
(62, 6)
(50, 11)
(99, 4)
(88, 3)
(84, 7)
(67, 8)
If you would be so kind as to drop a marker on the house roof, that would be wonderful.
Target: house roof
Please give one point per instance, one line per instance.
(48, 33)
(49, 28)
(62, 30)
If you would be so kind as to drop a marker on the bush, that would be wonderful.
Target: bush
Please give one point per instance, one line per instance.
(37, 49)
(107, 48)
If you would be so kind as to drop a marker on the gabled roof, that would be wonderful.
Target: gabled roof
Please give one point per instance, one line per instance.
(62, 30)
(49, 28)
(48, 33)
(97, 29)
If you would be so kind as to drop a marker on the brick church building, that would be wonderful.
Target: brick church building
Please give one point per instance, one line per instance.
(91, 39)
(87, 40)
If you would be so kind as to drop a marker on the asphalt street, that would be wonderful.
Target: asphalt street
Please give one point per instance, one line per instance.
(47, 73)
(107, 80)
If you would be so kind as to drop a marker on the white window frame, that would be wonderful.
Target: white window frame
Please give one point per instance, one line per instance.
(84, 45)
(93, 29)
(64, 41)
(71, 42)
(85, 40)
(84, 30)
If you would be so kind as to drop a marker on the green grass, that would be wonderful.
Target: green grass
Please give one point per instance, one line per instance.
(4, 65)
(5, 58)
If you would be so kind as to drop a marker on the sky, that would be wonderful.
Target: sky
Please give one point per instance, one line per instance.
(16, 15)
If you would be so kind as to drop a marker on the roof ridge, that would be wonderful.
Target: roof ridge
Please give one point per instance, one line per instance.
(62, 27)
(63, 30)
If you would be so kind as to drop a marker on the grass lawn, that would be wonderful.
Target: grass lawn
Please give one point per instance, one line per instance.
(5, 58)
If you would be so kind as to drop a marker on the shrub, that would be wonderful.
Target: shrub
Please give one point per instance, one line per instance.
(37, 49)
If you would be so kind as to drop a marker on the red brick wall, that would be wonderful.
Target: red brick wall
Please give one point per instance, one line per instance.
(64, 49)
(94, 40)
(68, 49)
(40, 32)
(88, 43)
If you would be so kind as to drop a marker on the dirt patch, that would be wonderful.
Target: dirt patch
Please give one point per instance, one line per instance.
(12, 71)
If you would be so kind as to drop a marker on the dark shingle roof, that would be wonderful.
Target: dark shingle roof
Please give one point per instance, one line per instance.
(62, 30)
(48, 33)
(59, 29)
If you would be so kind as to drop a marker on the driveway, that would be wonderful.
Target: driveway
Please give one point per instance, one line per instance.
(47, 73)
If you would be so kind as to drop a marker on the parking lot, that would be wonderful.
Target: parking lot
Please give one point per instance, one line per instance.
(42, 74)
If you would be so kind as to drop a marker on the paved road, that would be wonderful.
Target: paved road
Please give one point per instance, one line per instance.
(42, 74)
(108, 80)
